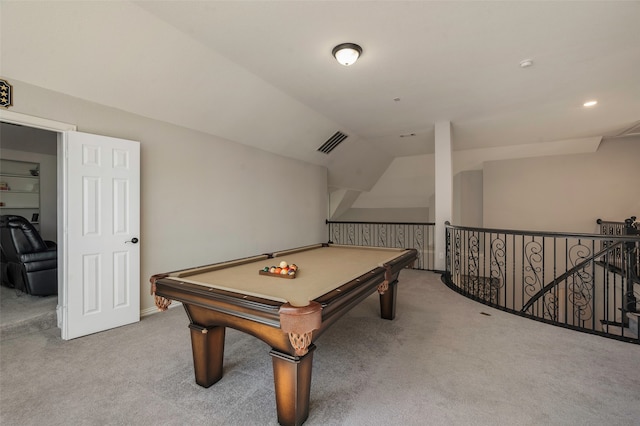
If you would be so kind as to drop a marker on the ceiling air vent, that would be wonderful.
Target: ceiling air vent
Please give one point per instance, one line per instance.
(332, 142)
(634, 130)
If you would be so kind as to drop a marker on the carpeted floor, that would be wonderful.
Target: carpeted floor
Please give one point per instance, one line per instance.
(442, 361)
(22, 313)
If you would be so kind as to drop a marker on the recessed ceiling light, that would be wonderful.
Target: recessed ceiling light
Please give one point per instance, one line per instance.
(526, 63)
(590, 103)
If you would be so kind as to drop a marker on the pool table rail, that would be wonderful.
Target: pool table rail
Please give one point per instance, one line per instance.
(244, 312)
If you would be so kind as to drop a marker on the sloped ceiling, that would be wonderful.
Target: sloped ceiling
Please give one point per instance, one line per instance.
(261, 73)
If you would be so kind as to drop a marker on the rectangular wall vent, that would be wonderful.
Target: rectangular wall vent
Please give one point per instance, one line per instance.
(332, 142)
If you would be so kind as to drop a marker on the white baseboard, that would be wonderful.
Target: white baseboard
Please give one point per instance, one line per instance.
(153, 310)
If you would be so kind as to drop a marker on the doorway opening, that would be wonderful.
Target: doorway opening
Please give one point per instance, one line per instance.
(31, 193)
(98, 265)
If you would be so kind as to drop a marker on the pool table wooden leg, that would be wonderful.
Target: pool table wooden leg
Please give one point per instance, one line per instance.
(207, 344)
(388, 301)
(292, 379)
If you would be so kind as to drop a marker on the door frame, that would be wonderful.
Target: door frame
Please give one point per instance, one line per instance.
(59, 128)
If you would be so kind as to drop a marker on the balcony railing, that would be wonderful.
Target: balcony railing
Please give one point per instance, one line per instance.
(386, 234)
(580, 281)
(628, 227)
(586, 282)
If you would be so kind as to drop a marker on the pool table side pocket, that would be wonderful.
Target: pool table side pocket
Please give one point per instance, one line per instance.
(296, 250)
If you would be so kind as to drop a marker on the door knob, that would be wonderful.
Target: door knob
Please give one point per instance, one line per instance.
(133, 240)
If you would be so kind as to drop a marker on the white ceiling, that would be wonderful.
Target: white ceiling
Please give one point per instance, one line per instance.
(261, 72)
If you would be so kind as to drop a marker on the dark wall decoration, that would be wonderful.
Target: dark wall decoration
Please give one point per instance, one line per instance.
(6, 94)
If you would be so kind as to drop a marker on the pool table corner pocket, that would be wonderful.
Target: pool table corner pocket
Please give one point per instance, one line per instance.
(162, 303)
(299, 322)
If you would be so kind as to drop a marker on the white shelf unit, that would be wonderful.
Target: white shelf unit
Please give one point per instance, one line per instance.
(20, 189)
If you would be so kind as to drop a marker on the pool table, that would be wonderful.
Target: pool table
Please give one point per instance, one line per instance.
(287, 314)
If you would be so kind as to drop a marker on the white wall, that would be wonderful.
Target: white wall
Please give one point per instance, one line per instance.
(565, 193)
(401, 194)
(413, 215)
(48, 186)
(467, 199)
(562, 193)
(407, 182)
(203, 199)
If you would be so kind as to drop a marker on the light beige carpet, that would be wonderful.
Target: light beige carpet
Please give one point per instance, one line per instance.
(440, 362)
(22, 313)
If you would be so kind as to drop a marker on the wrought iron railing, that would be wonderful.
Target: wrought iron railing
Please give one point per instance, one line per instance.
(571, 280)
(628, 227)
(387, 234)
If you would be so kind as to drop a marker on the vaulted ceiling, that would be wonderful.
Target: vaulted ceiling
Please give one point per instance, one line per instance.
(261, 72)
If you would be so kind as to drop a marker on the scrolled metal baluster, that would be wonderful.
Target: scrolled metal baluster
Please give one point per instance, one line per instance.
(447, 237)
(533, 255)
(400, 238)
(364, 235)
(550, 304)
(473, 269)
(382, 236)
(497, 267)
(351, 234)
(336, 233)
(474, 251)
(498, 262)
(456, 263)
(581, 285)
(580, 298)
(418, 244)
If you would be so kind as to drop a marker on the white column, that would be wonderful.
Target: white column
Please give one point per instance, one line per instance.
(444, 188)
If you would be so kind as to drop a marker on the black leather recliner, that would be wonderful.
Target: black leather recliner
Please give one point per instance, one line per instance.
(29, 264)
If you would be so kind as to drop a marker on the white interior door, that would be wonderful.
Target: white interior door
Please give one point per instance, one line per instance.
(101, 249)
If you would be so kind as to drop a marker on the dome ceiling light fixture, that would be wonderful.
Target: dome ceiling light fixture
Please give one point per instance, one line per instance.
(347, 53)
